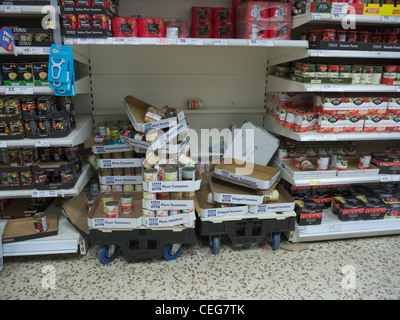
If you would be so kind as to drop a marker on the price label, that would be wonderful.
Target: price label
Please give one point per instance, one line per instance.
(325, 137)
(126, 41)
(33, 50)
(220, 42)
(261, 43)
(338, 16)
(12, 9)
(389, 178)
(316, 16)
(3, 144)
(331, 88)
(309, 88)
(315, 182)
(90, 41)
(19, 90)
(324, 53)
(389, 19)
(44, 193)
(335, 228)
(162, 41)
(189, 42)
(42, 143)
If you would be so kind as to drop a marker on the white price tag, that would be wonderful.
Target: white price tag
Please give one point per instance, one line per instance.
(162, 41)
(12, 9)
(316, 16)
(325, 137)
(313, 53)
(261, 43)
(338, 16)
(125, 41)
(389, 19)
(335, 228)
(397, 88)
(3, 144)
(324, 53)
(19, 90)
(90, 41)
(330, 87)
(44, 193)
(389, 177)
(42, 143)
(308, 88)
(220, 42)
(35, 50)
(189, 42)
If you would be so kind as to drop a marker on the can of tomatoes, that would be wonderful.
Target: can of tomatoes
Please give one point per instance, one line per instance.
(100, 22)
(84, 21)
(389, 74)
(333, 70)
(69, 21)
(40, 222)
(364, 161)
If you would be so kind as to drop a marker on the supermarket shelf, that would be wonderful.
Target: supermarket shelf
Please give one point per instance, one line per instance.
(83, 131)
(328, 18)
(27, 51)
(224, 111)
(272, 126)
(66, 241)
(187, 42)
(332, 228)
(370, 178)
(17, 10)
(86, 174)
(278, 84)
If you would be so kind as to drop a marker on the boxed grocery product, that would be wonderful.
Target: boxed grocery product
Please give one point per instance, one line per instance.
(330, 123)
(223, 30)
(308, 212)
(348, 208)
(263, 11)
(9, 74)
(394, 105)
(392, 204)
(374, 123)
(353, 123)
(183, 31)
(202, 29)
(297, 173)
(305, 121)
(202, 14)
(151, 28)
(223, 14)
(262, 30)
(124, 27)
(40, 72)
(392, 123)
(375, 208)
(388, 163)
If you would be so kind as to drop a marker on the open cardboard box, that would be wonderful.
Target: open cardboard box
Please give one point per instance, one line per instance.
(285, 203)
(22, 229)
(120, 163)
(136, 110)
(98, 148)
(352, 169)
(288, 166)
(118, 180)
(185, 204)
(260, 177)
(226, 192)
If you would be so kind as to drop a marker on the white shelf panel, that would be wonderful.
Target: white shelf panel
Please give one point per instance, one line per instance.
(66, 241)
(83, 131)
(27, 51)
(354, 54)
(14, 10)
(189, 42)
(326, 18)
(278, 84)
(84, 178)
(36, 90)
(333, 228)
(226, 111)
(354, 179)
(272, 126)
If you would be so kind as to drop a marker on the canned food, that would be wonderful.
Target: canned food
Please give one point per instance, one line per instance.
(376, 37)
(363, 36)
(149, 195)
(322, 163)
(306, 165)
(170, 174)
(150, 175)
(344, 71)
(148, 212)
(340, 35)
(163, 196)
(84, 21)
(300, 157)
(341, 163)
(356, 74)
(139, 187)
(150, 161)
(117, 172)
(173, 212)
(273, 196)
(189, 173)
(328, 35)
(351, 36)
(366, 75)
(28, 37)
(161, 213)
(14, 157)
(176, 195)
(389, 74)
(116, 188)
(333, 71)
(40, 222)
(128, 171)
(127, 203)
(106, 197)
(104, 187)
(364, 161)
(112, 209)
(308, 70)
(376, 75)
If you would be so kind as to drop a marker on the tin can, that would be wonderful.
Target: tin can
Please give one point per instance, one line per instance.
(14, 157)
(117, 172)
(273, 196)
(341, 163)
(128, 187)
(363, 36)
(162, 213)
(106, 197)
(176, 195)
(389, 74)
(321, 70)
(351, 36)
(148, 212)
(364, 161)
(40, 222)
(308, 70)
(300, 157)
(150, 175)
(116, 188)
(150, 160)
(376, 75)
(105, 187)
(189, 173)
(128, 171)
(84, 21)
(174, 212)
(306, 165)
(106, 172)
(322, 163)
(111, 209)
(126, 203)
(170, 174)
(366, 75)
(340, 35)
(190, 223)
(344, 71)
(210, 198)
(328, 35)
(356, 74)
(163, 196)
(333, 71)
(149, 195)
(139, 187)
(26, 178)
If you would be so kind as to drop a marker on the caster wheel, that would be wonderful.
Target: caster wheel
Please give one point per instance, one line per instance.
(105, 256)
(215, 244)
(169, 254)
(276, 240)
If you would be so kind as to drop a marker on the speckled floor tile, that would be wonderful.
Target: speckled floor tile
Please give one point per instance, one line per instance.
(247, 273)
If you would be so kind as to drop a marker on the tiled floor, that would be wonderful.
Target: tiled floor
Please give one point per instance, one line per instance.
(324, 270)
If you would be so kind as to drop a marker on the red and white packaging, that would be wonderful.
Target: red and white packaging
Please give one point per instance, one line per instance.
(280, 114)
(151, 28)
(353, 123)
(330, 123)
(290, 119)
(182, 26)
(125, 27)
(223, 15)
(280, 30)
(392, 123)
(223, 30)
(375, 123)
(202, 14)
(263, 11)
(305, 121)
(252, 30)
(87, 3)
(202, 30)
(84, 21)
(393, 105)
(69, 21)
(101, 22)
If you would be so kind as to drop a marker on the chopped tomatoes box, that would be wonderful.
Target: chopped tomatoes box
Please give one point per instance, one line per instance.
(330, 123)
(374, 123)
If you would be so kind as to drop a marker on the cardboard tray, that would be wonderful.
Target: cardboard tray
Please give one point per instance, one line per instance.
(22, 229)
(136, 110)
(285, 203)
(261, 177)
(226, 192)
(296, 173)
(352, 169)
(117, 180)
(120, 163)
(99, 148)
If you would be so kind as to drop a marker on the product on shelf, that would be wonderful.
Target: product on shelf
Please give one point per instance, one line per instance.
(176, 29)
(24, 74)
(151, 28)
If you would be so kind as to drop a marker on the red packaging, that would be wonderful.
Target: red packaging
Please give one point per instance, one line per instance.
(252, 30)
(253, 11)
(202, 14)
(340, 35)
(279, 11)
(374, 123)
(87, 3)
(124, 27)
(69, 21)
(223, 15)
(279, 30)
(363, 36)
(151, 28)
(351, 36)
(388, 74)
(68, 2)
(100, 22)
(392, 122)
(84, 21)
(391, 37)
(375, 37)
(182, 26)
(103, 3)
(328, 35)
(223, 30)
(202, 30)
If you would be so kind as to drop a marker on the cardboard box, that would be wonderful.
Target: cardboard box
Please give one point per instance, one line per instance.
(99, 148)
(330, 123)
(374, 123)
(22, 229)
(260, 177)
(285, 203)
(348, 208)
(225, 192)
(308, 212)
(185, 204)
(297, 173)
(120, 163)
(118, 180)
(136, 110)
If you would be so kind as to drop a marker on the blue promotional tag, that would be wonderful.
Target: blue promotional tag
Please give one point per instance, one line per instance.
(7, 40)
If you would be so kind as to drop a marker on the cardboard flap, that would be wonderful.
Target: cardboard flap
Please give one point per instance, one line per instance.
(75, 211)
(137, 108)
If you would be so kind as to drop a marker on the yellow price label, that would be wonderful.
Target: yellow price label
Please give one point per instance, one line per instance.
(315, 182)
